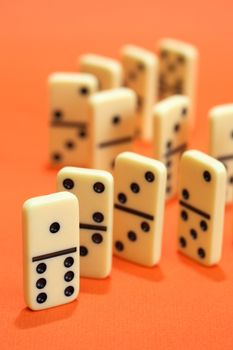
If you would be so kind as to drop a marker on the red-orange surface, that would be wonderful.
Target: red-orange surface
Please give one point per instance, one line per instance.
(177, 305)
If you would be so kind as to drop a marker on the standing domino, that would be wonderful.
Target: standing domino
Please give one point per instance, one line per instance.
(138, 209)
(69, 129)
(171, 124)
(94, 189)
(221, 141)
(112, 120)
(178, 70)
(107, 70)
(141, 72)
(50, 250)
(202, 188)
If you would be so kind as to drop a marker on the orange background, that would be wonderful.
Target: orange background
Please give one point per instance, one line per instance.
(177, 305)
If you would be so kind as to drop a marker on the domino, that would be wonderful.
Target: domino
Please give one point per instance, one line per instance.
(139, 196)
(141, 75)
(202, 187)
(107, 70)
(69, 129)
(94, 189)
(171, 133)
(50, 250)
(221, 141)
(112, 120)
(178, 64)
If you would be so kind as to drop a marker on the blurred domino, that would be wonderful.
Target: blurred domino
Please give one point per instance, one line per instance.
(141, 75)
(202, 187)
(112, 120)
(178, 70)
(171, 125)
(51, 243)
(138, 208)
(94, 189)
(107, 70)
(69, 129)
(221, 141)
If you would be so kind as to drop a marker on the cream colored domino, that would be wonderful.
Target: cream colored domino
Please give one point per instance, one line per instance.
(112, 120)
(202, 186)
(107, 70)
(69, 129)
(141, 75)
(139, 197)
(221, 141)
(50, 250)
(171, 125)
(94, 189)
(178, 64)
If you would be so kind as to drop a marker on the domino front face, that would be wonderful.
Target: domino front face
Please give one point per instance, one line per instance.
(202, 187)
(69, 129)
(171, 125)
(94, 189)
(51, 243)
(177, 70)
(112, 120)
(107, 70)
(140, 74)
(138, 208)
(221, 141)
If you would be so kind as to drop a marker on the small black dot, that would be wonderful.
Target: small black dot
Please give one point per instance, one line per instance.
(168, 189)
(184, 215)
(57, 157)
(203, 225)
(207, 176)
(132, 236)
(98, 217)
(112, 165)
(84, 90)
(184, 111)
(231, 179)
(169, 144)
(69, 144)
(116, 119)
(149, 176)
(132, 75)
(193, 233)
(69, 275)
(145, 226)
(99, 187)
(41, 268)
(83, 251)
(69, 291)
(68, 262)
(54, 227)
(97, 238)
(182, 242)
(122, 197)
(169, 176)
(41, 283)
(119, 246)
(164, 53)
(201, 253)
(180, 59)
(185, 194)
(171, 67)
(141, 66)
(168, 163)
(177, 127)
(41, 298)
(57, 114)
(82, 134)
(134, 187)
(68, 184)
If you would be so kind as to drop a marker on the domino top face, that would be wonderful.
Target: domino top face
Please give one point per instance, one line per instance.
(94, 189)
(112, 116)
(171, 126)
(107, 70)
(69, 93)
(51, 241)
(178, 69)
(138, 208)
(201, 198)
(140, 70)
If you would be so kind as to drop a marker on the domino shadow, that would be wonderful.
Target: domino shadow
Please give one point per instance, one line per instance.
(95, 286)
(153, 274)
(214, 273)
(32, 319)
